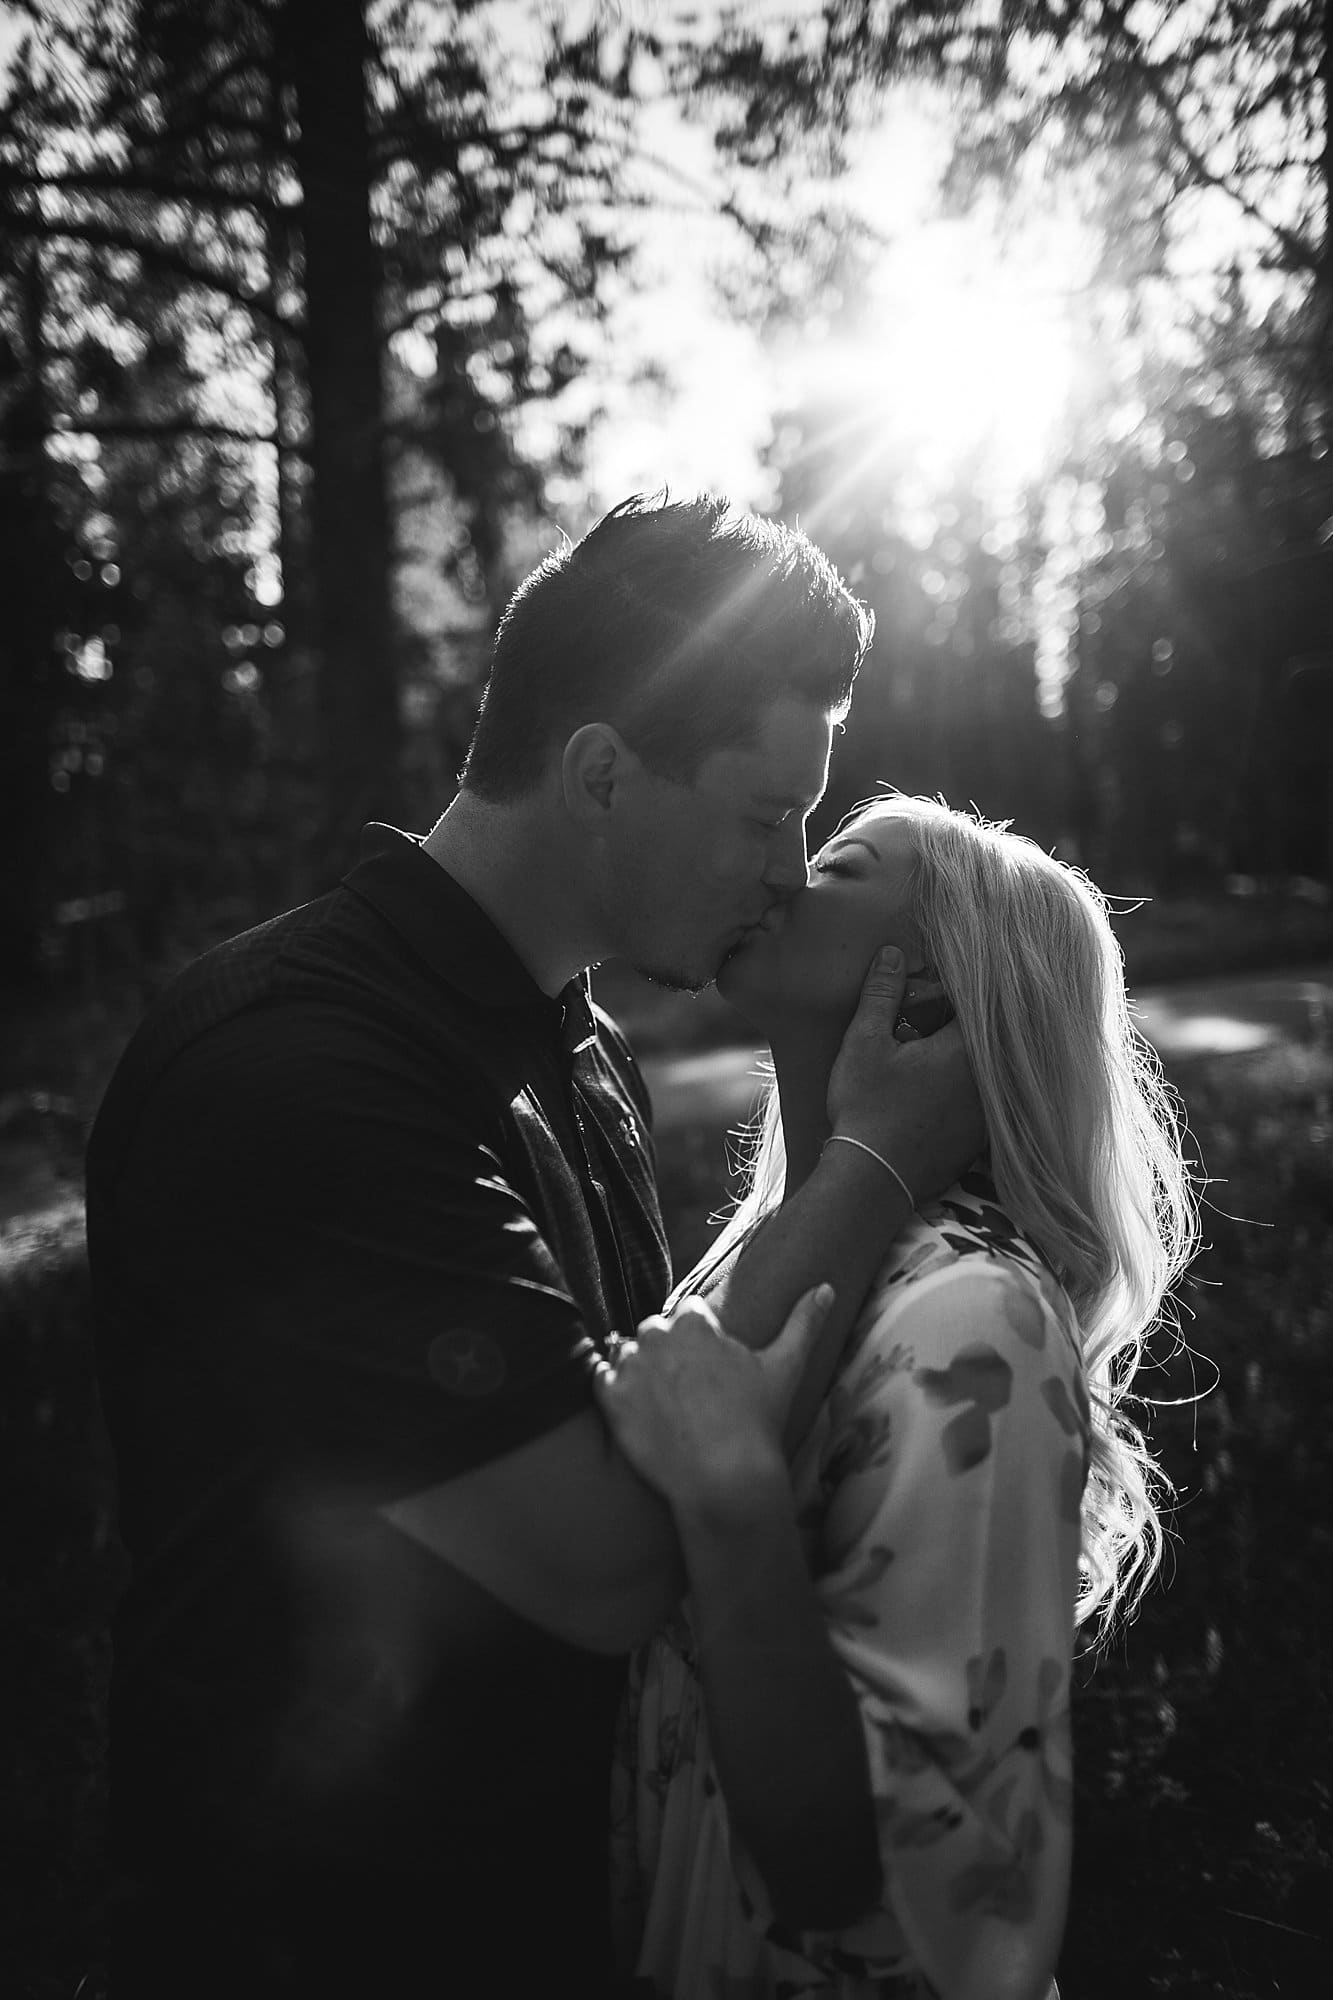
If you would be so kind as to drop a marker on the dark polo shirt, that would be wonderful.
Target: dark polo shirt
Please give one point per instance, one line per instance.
(362, 1205)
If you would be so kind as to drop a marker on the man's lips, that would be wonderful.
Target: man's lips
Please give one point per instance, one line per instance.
(745, 937)
(765, 924)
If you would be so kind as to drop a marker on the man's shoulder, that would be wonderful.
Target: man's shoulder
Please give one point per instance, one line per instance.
(301, 992)
(237, 973)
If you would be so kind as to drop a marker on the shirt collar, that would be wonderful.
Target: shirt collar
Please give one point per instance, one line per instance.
(443, 925)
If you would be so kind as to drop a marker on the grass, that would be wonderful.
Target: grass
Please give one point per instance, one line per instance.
(1203, 1862)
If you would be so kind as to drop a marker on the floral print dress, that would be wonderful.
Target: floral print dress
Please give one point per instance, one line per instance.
(938, 1496)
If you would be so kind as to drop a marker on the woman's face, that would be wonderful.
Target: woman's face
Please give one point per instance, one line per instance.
(809, 957)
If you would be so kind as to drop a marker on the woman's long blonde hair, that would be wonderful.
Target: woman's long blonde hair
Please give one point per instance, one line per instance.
(1085, 1136)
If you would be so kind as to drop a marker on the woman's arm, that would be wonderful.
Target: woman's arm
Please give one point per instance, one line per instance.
(902, 1719)
(700, 1418)
(782, 1715)
(914, 1102)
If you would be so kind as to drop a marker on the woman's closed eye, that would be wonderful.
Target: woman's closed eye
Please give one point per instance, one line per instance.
(832, 864)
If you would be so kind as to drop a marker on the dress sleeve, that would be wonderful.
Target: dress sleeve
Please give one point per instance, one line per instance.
(946, 1565)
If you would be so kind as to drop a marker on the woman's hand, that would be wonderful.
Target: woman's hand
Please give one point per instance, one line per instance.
(912, 1098)
(699, 1416)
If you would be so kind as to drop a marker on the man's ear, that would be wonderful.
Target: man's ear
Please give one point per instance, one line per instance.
(595, 761)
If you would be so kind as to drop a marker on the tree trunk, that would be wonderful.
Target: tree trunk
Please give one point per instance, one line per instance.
(29, 689)
(1323, 279)
(324, 51)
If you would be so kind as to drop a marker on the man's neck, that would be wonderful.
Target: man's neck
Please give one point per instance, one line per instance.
(515, 863)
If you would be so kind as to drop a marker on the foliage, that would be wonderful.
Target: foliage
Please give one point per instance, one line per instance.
(1160, 591)
(1168, 121)
(947, 701)
(1203, 1794)
(236, 291)
(1181, 120)
(1184, 576)
(303, 312)
(1201, 689)
(298, 278)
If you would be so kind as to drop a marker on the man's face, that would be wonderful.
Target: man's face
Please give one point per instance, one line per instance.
(697, 866)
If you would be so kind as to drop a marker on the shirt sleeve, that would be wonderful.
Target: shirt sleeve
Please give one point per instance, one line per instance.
(336, 1246)
(947, 1569)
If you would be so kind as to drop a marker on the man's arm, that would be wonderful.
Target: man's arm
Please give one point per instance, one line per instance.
(562, 1532)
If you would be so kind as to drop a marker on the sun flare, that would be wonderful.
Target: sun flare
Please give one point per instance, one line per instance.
(964, 358)
(964, 355)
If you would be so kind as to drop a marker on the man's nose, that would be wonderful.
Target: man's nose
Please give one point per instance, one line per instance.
(787, 870)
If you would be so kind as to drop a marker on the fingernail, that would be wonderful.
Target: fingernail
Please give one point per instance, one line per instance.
(824, 1296)
(889, 958)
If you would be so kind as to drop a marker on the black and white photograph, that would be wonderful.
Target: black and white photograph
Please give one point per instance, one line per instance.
(666, 999)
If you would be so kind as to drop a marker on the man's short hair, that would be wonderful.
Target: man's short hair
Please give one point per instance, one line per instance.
(679, 623)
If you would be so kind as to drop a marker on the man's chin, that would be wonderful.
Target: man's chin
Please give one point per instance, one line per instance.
(674, 979)
(692, 979)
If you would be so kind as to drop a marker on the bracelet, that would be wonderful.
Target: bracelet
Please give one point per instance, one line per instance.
(845, 1139)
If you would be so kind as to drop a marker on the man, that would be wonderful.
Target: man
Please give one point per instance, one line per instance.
(369, 1196)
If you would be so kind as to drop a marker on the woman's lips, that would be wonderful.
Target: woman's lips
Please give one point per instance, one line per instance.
(762, 926)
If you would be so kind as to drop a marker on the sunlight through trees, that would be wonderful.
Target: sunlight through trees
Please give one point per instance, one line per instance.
(315, 319)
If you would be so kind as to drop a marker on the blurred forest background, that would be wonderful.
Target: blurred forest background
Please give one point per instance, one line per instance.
(321, 321)
(312, 316)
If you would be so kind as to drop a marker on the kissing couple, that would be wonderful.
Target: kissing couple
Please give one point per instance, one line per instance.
(502, 1617)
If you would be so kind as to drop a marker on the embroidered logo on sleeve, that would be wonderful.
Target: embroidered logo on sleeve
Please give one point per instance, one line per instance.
(466, 1362)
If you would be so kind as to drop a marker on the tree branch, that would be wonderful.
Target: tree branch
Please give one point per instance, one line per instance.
(157, 256)
(1299, 255)
(172, 427)
(111, 184)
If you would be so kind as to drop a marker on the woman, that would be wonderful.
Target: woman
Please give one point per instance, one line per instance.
(895, 1720)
